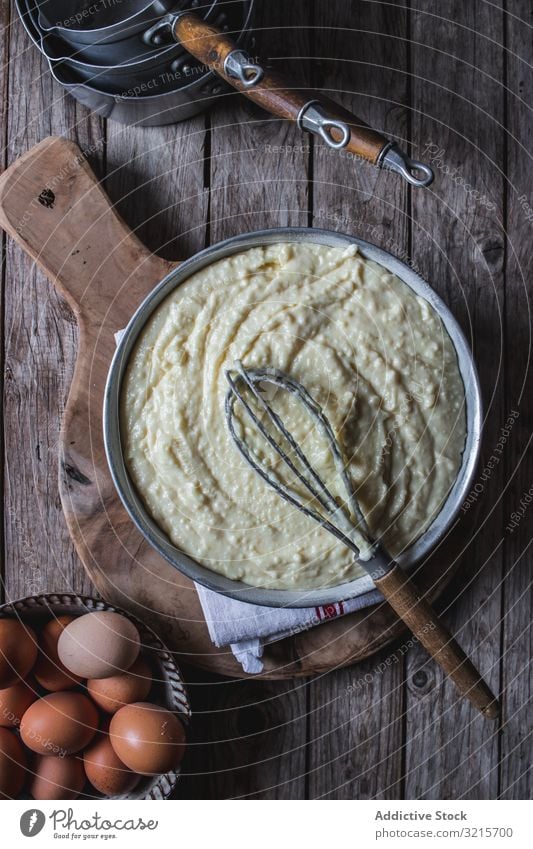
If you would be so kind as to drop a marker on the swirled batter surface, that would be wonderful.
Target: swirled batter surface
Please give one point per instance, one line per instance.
(372, 353)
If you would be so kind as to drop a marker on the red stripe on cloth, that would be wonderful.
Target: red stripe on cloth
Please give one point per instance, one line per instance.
(329, 611)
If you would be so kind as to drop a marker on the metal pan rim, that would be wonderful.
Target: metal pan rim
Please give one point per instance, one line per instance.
(134, 23)
(140, 63)
(132, 501)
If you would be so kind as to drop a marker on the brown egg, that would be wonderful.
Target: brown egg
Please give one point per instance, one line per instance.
(105, 771)
(48, 670)
(15, 701)
(18, 651)
(59, 724)
(147, 738)
(57, 778)
(110, 694)
(99, 645)
(12, 765)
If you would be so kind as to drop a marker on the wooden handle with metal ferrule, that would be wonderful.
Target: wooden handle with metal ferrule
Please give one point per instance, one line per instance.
(403, 597)
(273, 93)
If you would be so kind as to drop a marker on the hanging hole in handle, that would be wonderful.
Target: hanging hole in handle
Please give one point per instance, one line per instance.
(414, 172)
(253, 75)
(239, 66)
(326, 131)
(160, 33)
(418, 173)
(163, 31)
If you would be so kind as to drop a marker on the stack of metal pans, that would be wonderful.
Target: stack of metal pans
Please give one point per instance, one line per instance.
(116, 57)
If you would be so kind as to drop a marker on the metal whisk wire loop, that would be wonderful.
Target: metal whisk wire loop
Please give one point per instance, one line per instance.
(337, 520)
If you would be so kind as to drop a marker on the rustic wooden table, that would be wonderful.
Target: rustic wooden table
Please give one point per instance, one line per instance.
(453, 79)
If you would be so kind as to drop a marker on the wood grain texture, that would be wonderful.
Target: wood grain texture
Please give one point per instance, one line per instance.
(5, 17)
(104, 272)
(516, 778)
(246, 184)
(40, 349)
(457, 242)
(157, 180)
(259, 163)
(356, 715)
(346, 733)
(428, 628)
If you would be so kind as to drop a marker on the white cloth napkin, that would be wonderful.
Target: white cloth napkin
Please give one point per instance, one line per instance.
(247, 628)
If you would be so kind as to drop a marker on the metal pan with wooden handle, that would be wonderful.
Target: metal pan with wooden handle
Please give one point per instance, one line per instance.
(318, 115)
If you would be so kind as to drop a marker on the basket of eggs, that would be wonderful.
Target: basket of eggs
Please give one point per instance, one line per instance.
(92, 704)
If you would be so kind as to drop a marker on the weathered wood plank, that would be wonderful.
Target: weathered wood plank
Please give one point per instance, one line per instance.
(252, 737)
(5, 18)
(260, 163)
(458, 244)
(356, 714)
(40, 344)
(517, 643)
(155, 176)
(248, 740)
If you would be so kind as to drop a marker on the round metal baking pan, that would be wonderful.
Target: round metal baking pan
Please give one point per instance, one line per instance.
(167, 107)
(169, 689)
(127, 72)
(156, 103)
(134, 504)
(131, 52)
(61, 18)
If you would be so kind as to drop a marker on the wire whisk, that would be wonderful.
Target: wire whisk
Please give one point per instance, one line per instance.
(343, 519)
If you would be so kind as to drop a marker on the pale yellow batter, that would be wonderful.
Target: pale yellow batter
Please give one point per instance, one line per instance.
(375, 355)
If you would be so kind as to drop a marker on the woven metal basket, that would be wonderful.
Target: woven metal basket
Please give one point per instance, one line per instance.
(168, 688)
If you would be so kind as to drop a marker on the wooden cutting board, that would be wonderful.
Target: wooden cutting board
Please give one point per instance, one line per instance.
(52, 204)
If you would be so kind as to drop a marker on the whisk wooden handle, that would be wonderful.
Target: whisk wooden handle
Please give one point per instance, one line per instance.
(404, 598)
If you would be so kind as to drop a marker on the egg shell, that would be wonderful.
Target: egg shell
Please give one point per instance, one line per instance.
(15, 701)
(110, 694)
(148, 738)
(105, 770)
(12, 765)
(48, 670)
(99, 645)
(59, 724)
(57, 778)
(18, 651)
